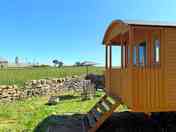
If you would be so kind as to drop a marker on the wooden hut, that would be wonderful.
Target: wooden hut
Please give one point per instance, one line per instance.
(146, 80)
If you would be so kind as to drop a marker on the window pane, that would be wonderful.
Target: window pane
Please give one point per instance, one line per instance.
(116, 56)
(134, 55)
(156, 51)
(128, 55)
(142, 53)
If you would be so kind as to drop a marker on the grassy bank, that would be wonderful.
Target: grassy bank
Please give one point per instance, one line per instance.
(19, 76)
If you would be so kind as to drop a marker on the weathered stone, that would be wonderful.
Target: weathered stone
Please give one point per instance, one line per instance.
(49, 82)
(40, 87)
(34, 82)
(53, 100)
(43, 81)
(3, 86)
(15, 87)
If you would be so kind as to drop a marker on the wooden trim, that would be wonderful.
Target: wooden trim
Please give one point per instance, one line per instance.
(110, 57)
(122, 65)
(147, 27)
(106, 57)
(130, 74)
(131, 39)
(126, 54)
(110, 66)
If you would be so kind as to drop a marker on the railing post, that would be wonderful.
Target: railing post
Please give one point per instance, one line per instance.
(106, 57)
(110, 66)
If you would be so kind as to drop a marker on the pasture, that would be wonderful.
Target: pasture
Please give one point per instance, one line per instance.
(19, 76)
(25, 115)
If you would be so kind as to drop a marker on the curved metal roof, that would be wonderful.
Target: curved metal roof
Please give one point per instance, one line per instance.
(121, 26)
(148, 23)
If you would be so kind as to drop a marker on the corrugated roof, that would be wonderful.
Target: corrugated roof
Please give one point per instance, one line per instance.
(149, 23)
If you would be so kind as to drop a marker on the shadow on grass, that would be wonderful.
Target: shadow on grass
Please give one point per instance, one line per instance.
(118, 122)
(67, 97)
(61, 123)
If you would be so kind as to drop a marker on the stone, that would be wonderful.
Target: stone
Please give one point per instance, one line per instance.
(3, 86)
(53, 100)
(34, 82)
(38, 86)
(15, 87)
(49, 82)
(54, 80)
(41, 87)
(43, 81)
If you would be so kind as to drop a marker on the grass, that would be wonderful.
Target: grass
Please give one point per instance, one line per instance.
(25, 115)
(19, 76)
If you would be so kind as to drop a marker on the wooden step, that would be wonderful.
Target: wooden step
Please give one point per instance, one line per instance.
(108, 103)
(105, 106)
(100, 112)
(95, 106)
(102, 108)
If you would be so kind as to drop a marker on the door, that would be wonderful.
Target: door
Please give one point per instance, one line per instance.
(146, 69)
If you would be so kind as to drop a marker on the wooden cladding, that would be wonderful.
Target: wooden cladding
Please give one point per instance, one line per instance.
(170, 66)
(150, 87)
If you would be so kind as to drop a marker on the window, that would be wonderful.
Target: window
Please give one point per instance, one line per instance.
(142, 53)
(116, 56)
(134, 55)
(156, 51)
(128, 54)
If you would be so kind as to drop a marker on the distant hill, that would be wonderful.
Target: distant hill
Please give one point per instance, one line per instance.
(20, 65)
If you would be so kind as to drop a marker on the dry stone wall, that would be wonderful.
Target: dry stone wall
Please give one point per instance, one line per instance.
(9, 93)
(42, 87)
(33, 88)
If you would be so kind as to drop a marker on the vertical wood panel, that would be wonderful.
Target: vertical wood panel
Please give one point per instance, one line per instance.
(163, 63)
(135, 87)
(147, 79)
(110, 66)
(145, 88)
(170, 73)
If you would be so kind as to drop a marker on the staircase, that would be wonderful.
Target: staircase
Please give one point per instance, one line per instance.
(100, 112)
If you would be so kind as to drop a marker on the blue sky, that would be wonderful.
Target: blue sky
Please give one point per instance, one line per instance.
(69, 30)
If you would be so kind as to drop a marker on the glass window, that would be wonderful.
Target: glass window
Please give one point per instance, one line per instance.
(116, 56)
(156, 51)
(128, 55)
(142, 53)
(134, 55)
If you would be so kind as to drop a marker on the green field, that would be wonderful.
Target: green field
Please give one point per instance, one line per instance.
(25, 115)
(19, 76)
